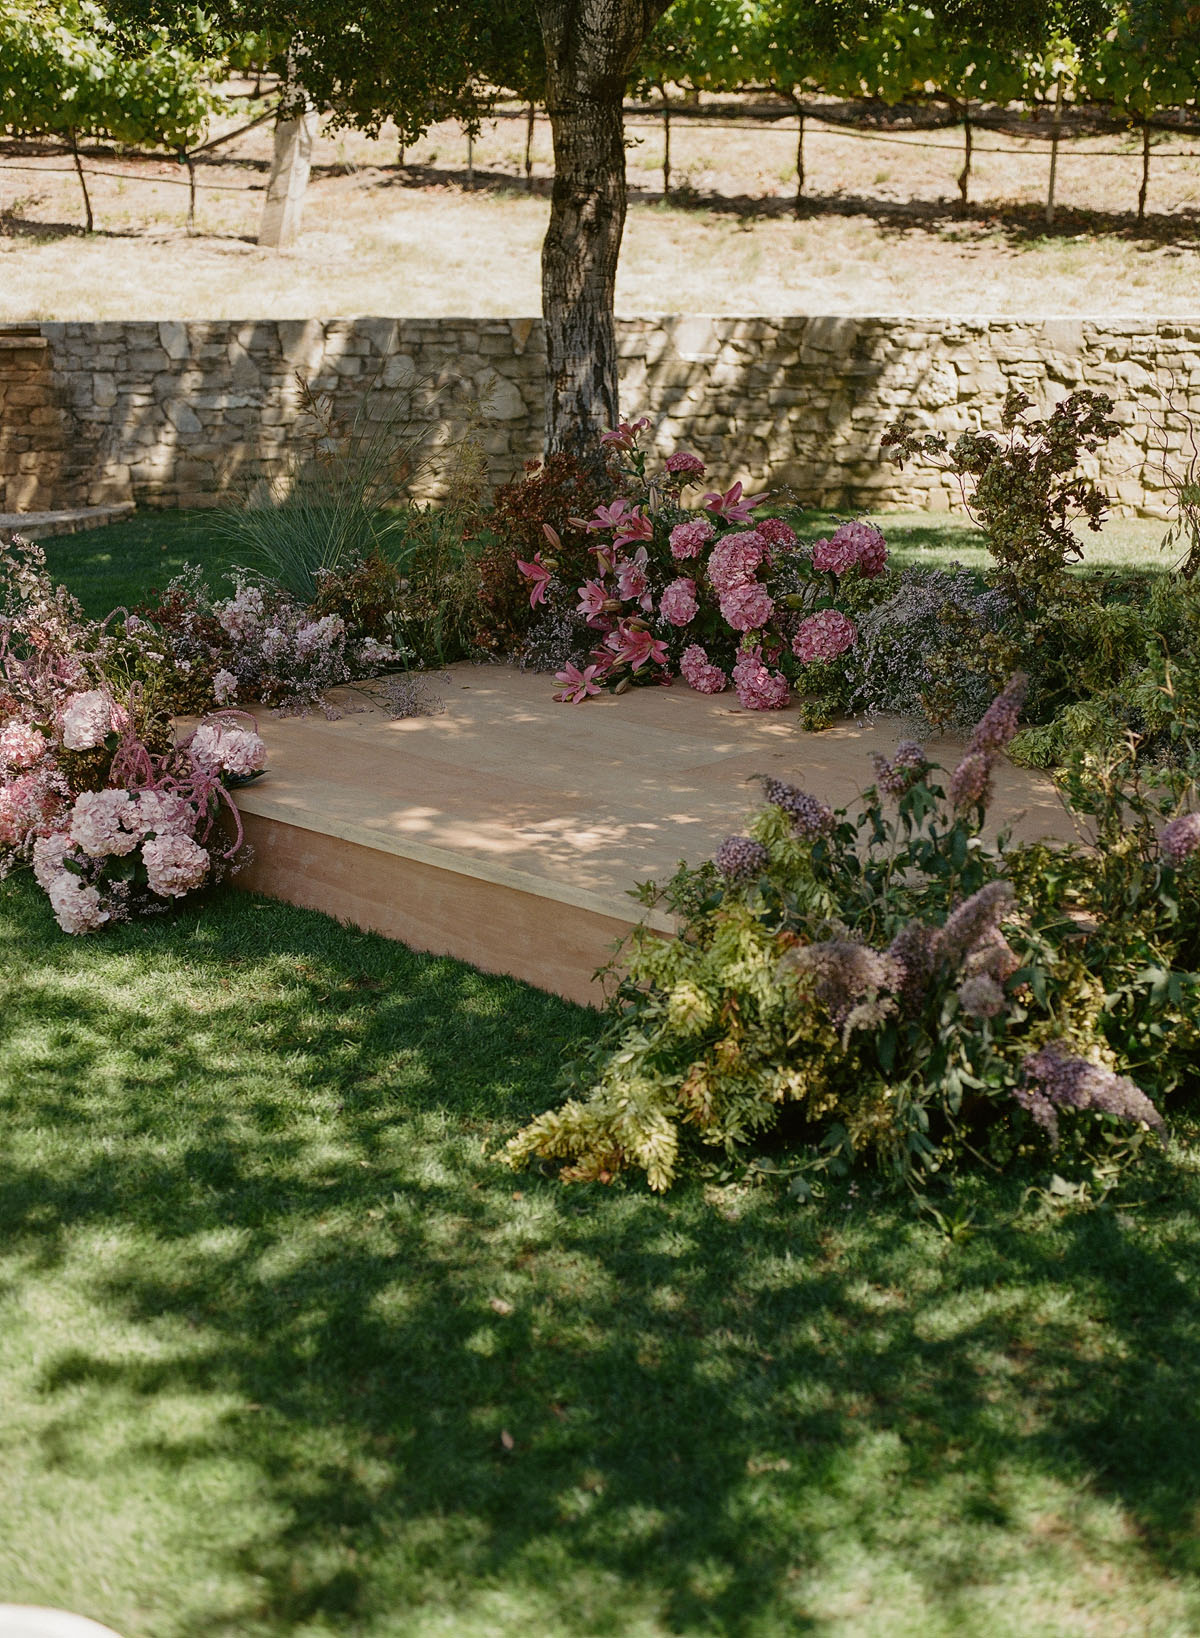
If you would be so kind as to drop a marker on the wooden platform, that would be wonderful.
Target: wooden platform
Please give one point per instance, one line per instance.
(508, 830)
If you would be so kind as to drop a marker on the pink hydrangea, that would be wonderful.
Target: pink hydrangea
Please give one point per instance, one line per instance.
(852, 546)
(87, 720)
(20, 745)
(735, 559)
(776, 533)
(758, 688)
(28, 804)
(174, 865)
(683, 464)
(77, 908)
(225, 687)
(690, 539)
(48, 855)
(823, 636)
(159, 813)
(747, 607)
(679, 603)
(219, 746)
(99, 823)
(696, 671)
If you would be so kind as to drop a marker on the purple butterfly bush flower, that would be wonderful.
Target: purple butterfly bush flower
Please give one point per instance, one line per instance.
(809, 815)
(1179, 839)
(1056, 1078)
(902, 771)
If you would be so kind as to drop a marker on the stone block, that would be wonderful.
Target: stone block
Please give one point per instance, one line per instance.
(173, 339)
(104, 391)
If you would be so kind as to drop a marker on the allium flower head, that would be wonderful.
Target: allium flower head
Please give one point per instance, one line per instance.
(823, 636)
(741, 859)
(696, 671)
(1179, 839)
(689, 539)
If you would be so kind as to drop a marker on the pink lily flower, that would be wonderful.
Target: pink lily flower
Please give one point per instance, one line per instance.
(636, 646)
(636, 526)
(632, 580)
(577, 685)
(592, 598)
(539, 574)
(624, 434)
(608, 517)
(732, 505)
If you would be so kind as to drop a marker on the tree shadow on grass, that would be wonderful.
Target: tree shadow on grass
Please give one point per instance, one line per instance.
(449, 1383)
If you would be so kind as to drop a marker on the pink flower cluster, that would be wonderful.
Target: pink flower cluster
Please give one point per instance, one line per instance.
(225, 747)
(852, 546)
(735, 560)
(87, 720)
(759, 688)
(823, 636)
(689, 539)
(697, 672)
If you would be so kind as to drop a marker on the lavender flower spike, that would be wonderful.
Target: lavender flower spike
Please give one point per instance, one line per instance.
(997, 728)
(976, 919)
(1056, 1079)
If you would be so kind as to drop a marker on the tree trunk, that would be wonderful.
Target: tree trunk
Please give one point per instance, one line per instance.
(964, 176)
(470, 160)
(191, 210)
(799, 160)
(1057, 133)
(666, 168)
(87, 203)
(529, 119)
(1145, 187)
(591, 45)
(286, 185)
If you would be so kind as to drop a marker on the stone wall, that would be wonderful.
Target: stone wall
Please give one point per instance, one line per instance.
(182, 414)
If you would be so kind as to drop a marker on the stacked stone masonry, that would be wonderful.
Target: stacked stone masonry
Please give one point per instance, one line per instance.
(187, 414)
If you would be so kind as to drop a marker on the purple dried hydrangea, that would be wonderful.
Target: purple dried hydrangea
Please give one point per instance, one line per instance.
(997, 728)
(975, 921)
(899, 773)
(740, 859)
(1180, 838)
(809, 815)
(1056, 1078)
(846, 971)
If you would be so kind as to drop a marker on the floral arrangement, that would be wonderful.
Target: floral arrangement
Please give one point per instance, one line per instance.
(703, 592)
(882, 982)
(117, 817)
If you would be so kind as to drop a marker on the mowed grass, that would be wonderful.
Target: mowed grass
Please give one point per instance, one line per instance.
(286, 1352)
(120, 564)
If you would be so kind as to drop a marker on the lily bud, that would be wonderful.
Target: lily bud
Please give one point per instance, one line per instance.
(552, 536)
(623, 686)
(611, 605)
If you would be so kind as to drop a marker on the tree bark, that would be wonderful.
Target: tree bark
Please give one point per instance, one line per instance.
(964, 176)
(1145, 187)
(591, 45)
(1054, 141)
(531, 114)
(87, 201)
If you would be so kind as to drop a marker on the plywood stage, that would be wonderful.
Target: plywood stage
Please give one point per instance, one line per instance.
(508, 830)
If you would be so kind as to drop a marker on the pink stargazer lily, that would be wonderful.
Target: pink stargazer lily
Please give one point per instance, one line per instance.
(624, 434)
(592, 598)
(733, 506)
(632, 580)
(636, 526)
(539, 574)
(608, 517)
(577, 685)
(636, 646)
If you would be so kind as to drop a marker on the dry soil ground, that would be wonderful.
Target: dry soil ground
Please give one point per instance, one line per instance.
(881, 231)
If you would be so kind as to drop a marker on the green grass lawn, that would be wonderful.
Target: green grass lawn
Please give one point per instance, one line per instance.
(119, 564)
(283, 1352)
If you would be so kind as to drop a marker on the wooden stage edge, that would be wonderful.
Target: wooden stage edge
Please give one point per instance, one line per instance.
(553, 936)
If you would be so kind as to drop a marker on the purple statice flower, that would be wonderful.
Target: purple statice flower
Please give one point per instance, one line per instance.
(976, 920)
(981, 996)
(1180, 838)
(914, 948)
(809, 815)
(411, 695)
(740, 859)
(846, 972)
(1056, 1078)
(901, 772)
(971, 782)
(996, 729)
